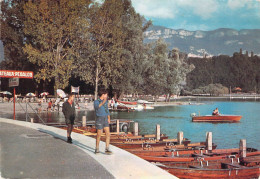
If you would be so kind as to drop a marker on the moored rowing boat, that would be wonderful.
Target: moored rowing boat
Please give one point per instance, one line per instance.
(217, 118)
(222, 168)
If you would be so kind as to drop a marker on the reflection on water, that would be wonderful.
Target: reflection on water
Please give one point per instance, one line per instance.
(177, 118)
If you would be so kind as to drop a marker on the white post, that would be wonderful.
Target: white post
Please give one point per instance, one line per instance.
(180, 137)
(136, 129)
(117, 126)
(84, 121)
(32, 120)
(158, 131)
(209, 141)
(242, 148)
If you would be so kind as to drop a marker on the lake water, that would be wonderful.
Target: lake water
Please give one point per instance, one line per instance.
(177, 118)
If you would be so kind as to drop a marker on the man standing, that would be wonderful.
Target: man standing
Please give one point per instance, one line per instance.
(102, 119)
(68, 109)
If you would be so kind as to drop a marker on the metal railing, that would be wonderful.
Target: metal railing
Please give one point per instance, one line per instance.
(27, 114)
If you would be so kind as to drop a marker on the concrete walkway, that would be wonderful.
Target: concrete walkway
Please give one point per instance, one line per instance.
(30, 150)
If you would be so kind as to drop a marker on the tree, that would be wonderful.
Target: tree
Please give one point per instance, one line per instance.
(116, 49)
(57, 30)
(158, 66)
(211, 89)
(178, 70)
(134, 53)
(102, 60)
(12, 24)
(166, 71)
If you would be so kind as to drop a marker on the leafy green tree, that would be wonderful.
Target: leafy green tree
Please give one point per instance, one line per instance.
(131, 80)
(211, 89)
(166, 71)
(57, 30)
(12, 24)
(158, 66)
(101, 61)
(177, 72)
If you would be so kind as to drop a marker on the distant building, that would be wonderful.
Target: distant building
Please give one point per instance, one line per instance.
(167, 31)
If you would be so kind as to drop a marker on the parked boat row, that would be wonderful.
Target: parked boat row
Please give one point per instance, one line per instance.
(184, 158)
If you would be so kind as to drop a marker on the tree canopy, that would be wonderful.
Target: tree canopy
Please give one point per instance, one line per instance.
(239, 70)
(100, 44)
(57, 30)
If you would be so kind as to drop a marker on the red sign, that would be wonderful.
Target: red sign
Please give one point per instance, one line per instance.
(16, 74)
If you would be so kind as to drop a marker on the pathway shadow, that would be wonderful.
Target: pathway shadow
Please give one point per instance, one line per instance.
(64, 139)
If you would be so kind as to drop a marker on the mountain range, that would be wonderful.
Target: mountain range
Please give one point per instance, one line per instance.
(199, 43)
(210, 43)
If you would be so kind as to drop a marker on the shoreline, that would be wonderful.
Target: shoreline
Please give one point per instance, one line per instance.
(7, 108)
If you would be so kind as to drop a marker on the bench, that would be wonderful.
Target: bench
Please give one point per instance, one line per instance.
(192, 166)
(198, 155)
(211, 154)
(250, 162)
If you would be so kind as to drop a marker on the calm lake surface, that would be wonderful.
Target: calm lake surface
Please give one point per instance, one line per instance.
(177, 118)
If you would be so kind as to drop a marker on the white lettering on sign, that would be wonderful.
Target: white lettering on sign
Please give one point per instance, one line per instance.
(16, 74)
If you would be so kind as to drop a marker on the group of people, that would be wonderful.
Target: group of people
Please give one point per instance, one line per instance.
(52, 104)
(113, 103)
(102, 118)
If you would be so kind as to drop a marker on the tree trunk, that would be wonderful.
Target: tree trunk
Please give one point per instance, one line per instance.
(96, 85)
(169, 99)
(56, 86)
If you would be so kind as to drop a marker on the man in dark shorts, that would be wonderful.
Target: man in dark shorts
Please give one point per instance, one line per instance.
(68, 110)
(102, 119)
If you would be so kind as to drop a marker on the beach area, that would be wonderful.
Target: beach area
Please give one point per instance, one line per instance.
(20, 108)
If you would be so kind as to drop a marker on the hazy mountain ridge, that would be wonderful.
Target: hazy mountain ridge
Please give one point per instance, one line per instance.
(220, 41)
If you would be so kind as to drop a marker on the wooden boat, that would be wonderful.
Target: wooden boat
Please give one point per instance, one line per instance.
(124, 108)
(182, 152)
(221, 168)
(133, 139)
(152, 143)
(121, 109)
(170, 146)
(127, 102)
(189, 155)
(217, 118)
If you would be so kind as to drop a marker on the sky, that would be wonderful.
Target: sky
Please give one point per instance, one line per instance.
(201, 14)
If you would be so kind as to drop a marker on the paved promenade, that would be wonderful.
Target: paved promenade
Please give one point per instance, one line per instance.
(30, 150)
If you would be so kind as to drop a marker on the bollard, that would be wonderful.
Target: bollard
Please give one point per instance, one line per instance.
(209, 141)
(180, 137)
(84, 121)
(136, 129)
(242, 148)
(117, 126)
(32, 120)
(158, 132)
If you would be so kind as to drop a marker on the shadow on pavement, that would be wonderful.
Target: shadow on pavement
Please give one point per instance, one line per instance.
(75, 142)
